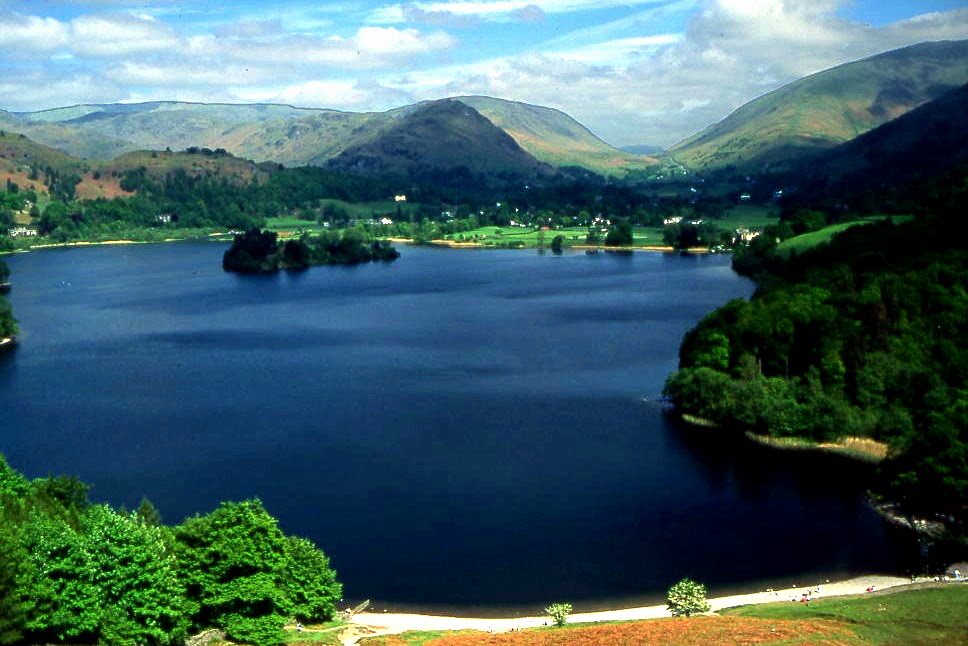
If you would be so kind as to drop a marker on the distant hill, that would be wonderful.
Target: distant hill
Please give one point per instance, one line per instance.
(194, 162)
(32, 165)
(826, 109)
(297, 136)
(443, 141)
(555, 138)
(924, 142)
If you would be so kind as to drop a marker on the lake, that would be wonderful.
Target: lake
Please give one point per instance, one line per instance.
(457, 429)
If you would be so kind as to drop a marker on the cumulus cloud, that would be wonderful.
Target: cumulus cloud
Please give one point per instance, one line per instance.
(121, 35)
(732, 51)
(27, 34)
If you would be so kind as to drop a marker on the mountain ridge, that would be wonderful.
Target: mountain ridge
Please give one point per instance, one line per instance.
(294, 135)
(828, 108)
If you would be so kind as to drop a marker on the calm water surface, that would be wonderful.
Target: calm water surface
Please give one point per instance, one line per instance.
(454, 429)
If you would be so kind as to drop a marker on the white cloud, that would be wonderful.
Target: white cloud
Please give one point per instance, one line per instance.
(174, 74)
(400, 42)
(33, 91)
(343, 95)
(619, 51)
(31, 34)
(501, 10)
(111, 36)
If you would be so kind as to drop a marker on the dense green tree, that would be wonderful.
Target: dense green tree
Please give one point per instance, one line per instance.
(13, 607)
(619, 234)
(148, 514)
(310, 581)
(557, 242)
(862, 336)
(233, 562)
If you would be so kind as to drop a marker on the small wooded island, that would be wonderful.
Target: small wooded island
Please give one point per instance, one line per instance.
(258, 251)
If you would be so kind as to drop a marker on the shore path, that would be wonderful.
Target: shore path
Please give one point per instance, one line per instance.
(372, 624)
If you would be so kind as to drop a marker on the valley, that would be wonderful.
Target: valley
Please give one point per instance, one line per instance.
(511, 403)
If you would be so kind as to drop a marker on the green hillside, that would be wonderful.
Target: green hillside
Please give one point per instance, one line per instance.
(829, 108)
(555, 138)
(445, 141)
(925, 141)
(298, 136)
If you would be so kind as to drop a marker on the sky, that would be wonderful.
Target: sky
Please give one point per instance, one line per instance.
(633, 71)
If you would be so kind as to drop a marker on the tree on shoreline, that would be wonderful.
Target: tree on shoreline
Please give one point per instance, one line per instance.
(687, 598)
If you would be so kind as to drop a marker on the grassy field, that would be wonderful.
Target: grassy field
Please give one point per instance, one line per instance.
(806, 241)
(937, 615)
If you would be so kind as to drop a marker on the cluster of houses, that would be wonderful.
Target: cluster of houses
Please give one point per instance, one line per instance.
(25, 232)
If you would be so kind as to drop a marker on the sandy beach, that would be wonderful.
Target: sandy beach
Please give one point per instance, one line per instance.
(371, 624)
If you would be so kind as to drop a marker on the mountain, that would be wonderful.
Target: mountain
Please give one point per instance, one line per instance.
(443, 141)
(555, 138)
(826, 109)
(297, 136)
(924, 142)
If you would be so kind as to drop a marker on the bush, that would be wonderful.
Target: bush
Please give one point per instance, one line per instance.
(559, 613)
(687, 598)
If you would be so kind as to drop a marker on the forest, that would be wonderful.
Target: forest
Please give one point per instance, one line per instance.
(866, 335)
(82, 573)
(181, 200)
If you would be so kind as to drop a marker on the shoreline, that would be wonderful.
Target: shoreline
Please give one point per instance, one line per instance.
(94, 243)
(857, 448)
(373, 624)
(862, 449)
(457, 244)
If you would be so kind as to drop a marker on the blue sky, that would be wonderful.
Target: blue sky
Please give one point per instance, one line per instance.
(634, 71)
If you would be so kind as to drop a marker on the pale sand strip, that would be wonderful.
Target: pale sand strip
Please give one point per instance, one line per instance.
(370, 624)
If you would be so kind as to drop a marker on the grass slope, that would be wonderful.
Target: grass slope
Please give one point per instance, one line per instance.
(828, 108)
(158, 164)
(809, 240)
(925, 141)
(555, 138)
(938, 615)
(21, 158)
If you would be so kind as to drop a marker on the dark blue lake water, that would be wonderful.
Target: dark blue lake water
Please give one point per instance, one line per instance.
(457, 428)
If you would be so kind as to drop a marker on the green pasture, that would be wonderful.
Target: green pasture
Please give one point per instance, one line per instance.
(806, 241)
(935, 615)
